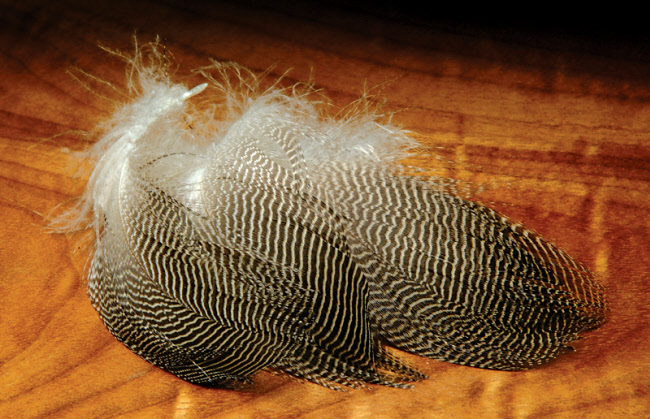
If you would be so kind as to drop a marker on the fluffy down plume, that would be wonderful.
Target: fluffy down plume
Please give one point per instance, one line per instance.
(263, 235)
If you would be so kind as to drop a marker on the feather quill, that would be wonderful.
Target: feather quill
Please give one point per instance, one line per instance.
(264, 235)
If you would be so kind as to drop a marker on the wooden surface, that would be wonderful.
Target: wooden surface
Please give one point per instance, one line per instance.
(556, 125)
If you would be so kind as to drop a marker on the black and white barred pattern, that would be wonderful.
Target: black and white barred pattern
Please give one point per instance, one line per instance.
(267, 248)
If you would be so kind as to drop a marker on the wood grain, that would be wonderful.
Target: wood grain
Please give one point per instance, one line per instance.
(554, 127)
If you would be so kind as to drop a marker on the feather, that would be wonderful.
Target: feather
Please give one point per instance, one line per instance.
(265, 235)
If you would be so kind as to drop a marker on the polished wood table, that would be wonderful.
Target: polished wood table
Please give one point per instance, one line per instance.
(551, 128)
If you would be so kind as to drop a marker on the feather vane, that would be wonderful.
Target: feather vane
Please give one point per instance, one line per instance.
(278, 239)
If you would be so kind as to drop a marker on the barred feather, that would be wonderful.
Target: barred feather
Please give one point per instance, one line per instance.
(279, 239)
(458, 282)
